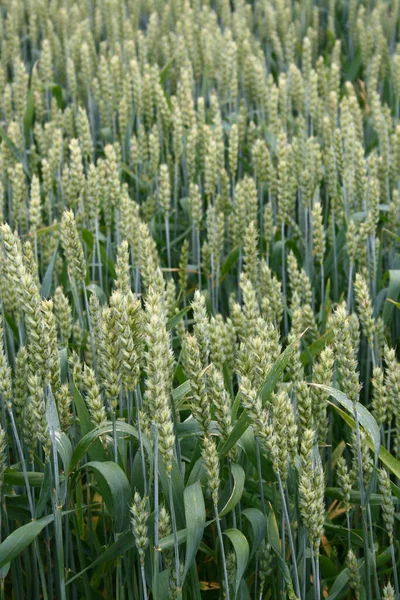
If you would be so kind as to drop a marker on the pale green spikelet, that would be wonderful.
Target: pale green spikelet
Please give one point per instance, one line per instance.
(250, 252)
(64, 402)
(183, 264)
(35, 207)
(344, 482)
(76, 369)
(5, 376)
(199, 402)
(21, 372)
(387, 502)
(35, 325)
(211, 461)
(38, 407)
(164, 523)
(164, 190)
(139, 517)
(52, 361)
(388, 592)
(201, 326)
(30, 262)
(271, 301)
(122, 269)
(265, 568)
(318, 233)
(97, 327)
(304, 406)
(251, 309)
(93, 397)
(311, 493)
(158, 370)
(323, 375)
(392, 380)
(353, 573)
(196, 205)
(148, 260)
(14, 261)
(219, 400)
(63, 313)
(110, 357)
(128, 357)
(344, 353)
(379, 396)
(364, 306)
(281, 411)
(259, 419)
(72, 247)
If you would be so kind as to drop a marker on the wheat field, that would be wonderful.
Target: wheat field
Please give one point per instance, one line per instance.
(199, 292)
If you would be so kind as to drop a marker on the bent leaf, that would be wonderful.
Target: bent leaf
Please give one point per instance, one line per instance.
(364, 416)
(241, 546)
(21, 538)
(115, 490)
(195, 513)
(259, 526)
(388, 459)
(92, 436)
(238, 476)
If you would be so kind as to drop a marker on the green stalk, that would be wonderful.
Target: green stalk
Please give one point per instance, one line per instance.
(175, 532)
(322, 287)
(239, 272)
(349, 289)
(221, 543)
(92, 344)
(57, 507)
(23, 464)
(81, 558)
(212, 284)
(376, 582)
(290, 536)
(283, 546)
(127, 558)
(143, 581)
(285, 315)
(372, 241)
(348, 530)
(41, 570)
(141, 448)
(314, 571)
(77, 305)
(167, 238)
(395, 575)
(334, 256)
(363, 507)
(231, 491)
(304, 580)
(199, 256)
(114, 419)
(97, 244)
(306, 236)
(317, 578)
(176, 183)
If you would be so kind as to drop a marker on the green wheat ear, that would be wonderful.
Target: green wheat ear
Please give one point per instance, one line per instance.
(199, 219)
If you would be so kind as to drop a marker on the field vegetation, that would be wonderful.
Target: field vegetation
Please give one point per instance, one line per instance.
(199, 278)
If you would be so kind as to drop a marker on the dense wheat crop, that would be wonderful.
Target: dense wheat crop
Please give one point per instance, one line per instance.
(199, 277)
